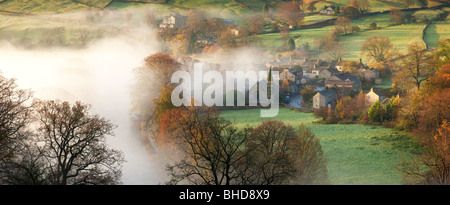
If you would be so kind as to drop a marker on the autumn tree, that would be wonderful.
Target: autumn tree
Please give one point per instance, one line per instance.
(163, 65)
(284, 34)
(74, 145)
(349, 11)
(15, 116)
(348, 108)
(377, 48)
(280, 155)
(290, 13)
(164, 102)
(414, 65)
(397, 16)
(435, 94)
(362, 5)
(196, 21)
(309, 5)
(350, 67)
(343, 25)
(422, 110)
(227, 40)
(433, 166)
(307, 93)
(257, 23)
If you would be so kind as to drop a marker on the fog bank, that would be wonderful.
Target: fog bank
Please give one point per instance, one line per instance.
(101, 75)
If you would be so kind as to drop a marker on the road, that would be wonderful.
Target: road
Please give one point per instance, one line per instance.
(296, 101)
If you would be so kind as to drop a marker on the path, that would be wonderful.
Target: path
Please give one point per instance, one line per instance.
(296, 102)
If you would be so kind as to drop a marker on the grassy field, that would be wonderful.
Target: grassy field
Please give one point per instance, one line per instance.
(400, 36)
(355, 154)
(214, 8)
(435, 31)
(43, 6)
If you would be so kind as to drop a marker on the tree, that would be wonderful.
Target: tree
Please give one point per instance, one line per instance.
(349, 11)
(212, 146)
(334, 49)
(291, 44)
(350, 67)
(196, 21)
(227, 40)
(433, 166)
(378, 48)
(280, 155)
(257, 23)
(343, 25)
(355, 29)
(408, 3)
(397, 16)
(285, 88)
(15, 116)
(216, 153)
(163, 65)
(375, 112)
(290, 13)
(362, 5)
(74, 145)
(164, 102)
(284, 34)
(414, 66)
(373, 26)
(265, 9)
(307, 93)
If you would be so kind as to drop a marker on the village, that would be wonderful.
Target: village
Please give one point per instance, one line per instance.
(330, 79)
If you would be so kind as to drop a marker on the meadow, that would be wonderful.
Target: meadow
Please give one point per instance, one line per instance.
(355, 154)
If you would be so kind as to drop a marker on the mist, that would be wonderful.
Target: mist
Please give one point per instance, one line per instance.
(100, 74)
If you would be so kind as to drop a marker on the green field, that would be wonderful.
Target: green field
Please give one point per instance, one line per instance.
(437, 30)
(355, 154)
(401, 36)
(43, 6)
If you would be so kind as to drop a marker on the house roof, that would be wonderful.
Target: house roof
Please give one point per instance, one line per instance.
(348, 76)
(378, 92)
(327, 93)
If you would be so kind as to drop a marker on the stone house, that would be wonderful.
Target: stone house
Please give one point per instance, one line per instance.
(346, 81)
(325, 98)
(373, 95)
(368, 74)
(327, 10)
(174, 21)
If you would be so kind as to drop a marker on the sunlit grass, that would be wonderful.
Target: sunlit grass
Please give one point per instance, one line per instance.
(355, 154)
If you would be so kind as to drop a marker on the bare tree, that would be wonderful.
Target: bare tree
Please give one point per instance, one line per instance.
(213, 149)
(216, 153)
(280, 155)
(14, 116)
(74, 147)
(378, 48)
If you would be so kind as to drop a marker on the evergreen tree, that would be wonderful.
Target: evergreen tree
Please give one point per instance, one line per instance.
(265, 9)
(374, 112)
(291, 44)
